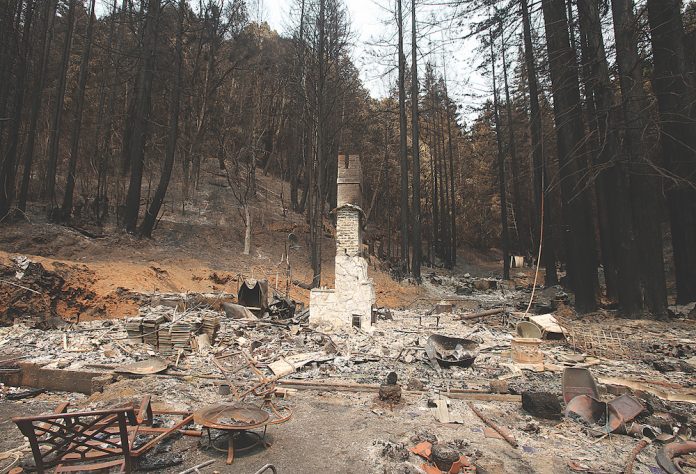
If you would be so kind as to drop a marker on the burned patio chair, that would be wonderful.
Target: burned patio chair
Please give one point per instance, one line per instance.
(72, 442)
(64, 440)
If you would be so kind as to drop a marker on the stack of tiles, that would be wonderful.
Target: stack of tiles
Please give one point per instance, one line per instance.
(211, 324)
(151, 325)
(165, 341)
(134, 329)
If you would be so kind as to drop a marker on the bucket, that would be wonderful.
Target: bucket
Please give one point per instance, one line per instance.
(526, 350)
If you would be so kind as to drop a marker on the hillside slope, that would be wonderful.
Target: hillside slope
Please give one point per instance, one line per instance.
(199, 250)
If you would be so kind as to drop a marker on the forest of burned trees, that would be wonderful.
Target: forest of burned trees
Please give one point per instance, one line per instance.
(114, 112)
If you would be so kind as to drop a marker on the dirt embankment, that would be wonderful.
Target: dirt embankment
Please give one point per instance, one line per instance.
(91, 276)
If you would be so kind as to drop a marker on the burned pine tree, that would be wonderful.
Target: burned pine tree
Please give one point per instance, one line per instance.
(643, 182)
(139, 113)
(579, 238)
(674, 84)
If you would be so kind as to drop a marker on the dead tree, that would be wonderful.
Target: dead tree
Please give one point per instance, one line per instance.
(504, 231)
(674, 87)
(415, 148)
(150, 217)
(54, 136)
(540, 180)
(403, 152)
(8, 166)
(581, 255)
(643, 185)
(139, 115)
(49, 14)
(614, 200)
(77, 119)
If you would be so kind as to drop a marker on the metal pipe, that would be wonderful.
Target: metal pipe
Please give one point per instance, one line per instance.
(198, 466)
(267, 467)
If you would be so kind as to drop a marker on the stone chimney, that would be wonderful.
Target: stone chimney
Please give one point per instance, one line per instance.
(350, 303)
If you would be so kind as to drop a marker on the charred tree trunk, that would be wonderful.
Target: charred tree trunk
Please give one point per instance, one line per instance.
(643, 184)
(504, 234)
(582, 263)
(138, 121)
(54, 136)
(523, 244)
(674, 88)
(548, 256)
(453, 206)
(618, 240)
(77, 120)
(415, 144)
(150, 217)
(46, 39)
(403, 152)
(8, 166)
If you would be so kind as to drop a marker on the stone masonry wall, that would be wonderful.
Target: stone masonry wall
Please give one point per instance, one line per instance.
(348, 241)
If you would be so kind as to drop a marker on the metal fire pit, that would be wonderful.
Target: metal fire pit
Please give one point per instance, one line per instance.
(235, 420)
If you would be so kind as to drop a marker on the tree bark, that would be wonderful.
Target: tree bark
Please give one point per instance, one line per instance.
(643, 184)
(77, 120)
(618, 240)
(46, 40)
(548, 255)
(673, 84)
(139, 119)
(415, 144)
(54, 136)
(504, 234)
(582, 258)
(247, 230)
(453, 210)
(150, 217)
(403, 152)
(8, 166)
(523, 241)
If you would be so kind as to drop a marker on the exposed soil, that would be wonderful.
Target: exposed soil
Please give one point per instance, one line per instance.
(197, 251)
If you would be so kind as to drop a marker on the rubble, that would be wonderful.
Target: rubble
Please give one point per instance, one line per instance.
(449, 362)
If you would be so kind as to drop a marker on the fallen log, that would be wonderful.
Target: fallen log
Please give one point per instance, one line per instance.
(459, 394)
(506, 436)
(480, 314)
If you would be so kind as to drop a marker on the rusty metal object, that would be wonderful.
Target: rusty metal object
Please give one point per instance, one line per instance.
(588, 409)
(506, 436)
(231, 416)
(61, 438)
(627, 407)
(448, 351)
(638, 430)
(197, 467)
(610, 417)
(595, 412)
(528, 330)
(150, 366)
(577, 381)
(642, 444)
(665, 456)
(267, 467)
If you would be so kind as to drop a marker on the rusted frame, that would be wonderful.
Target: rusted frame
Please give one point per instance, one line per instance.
(147, 446)
(72, 438)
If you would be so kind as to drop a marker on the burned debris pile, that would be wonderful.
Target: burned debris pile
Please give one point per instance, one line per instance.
(36, 296)
(506, 379)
